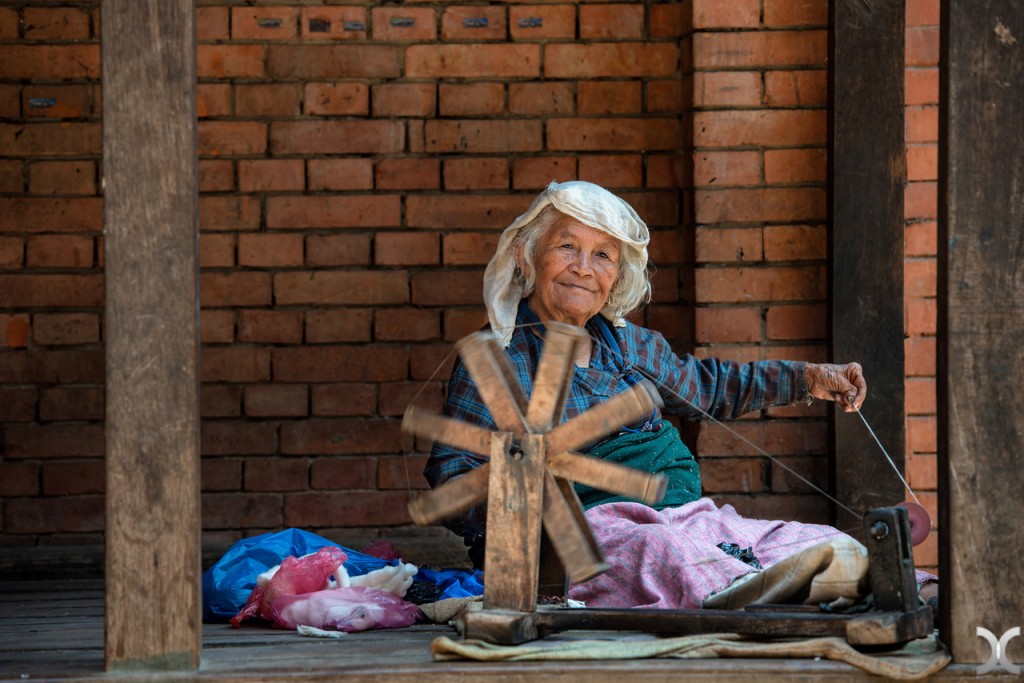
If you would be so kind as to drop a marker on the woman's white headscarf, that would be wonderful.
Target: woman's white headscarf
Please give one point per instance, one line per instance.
(591, 205)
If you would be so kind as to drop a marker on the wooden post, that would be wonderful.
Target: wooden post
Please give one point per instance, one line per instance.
(866, 252)
(153, 606)
(981, 325)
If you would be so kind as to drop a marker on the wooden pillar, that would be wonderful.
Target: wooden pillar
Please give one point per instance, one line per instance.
(866, 178)
(981, 325)
(153, 606)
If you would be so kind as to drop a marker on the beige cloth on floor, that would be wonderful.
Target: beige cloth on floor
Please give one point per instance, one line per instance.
(835, 571)
(914, 661)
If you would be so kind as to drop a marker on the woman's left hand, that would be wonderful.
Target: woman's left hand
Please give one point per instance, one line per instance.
(843, 384)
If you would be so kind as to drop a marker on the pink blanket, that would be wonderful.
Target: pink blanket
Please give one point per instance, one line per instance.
(669, 558)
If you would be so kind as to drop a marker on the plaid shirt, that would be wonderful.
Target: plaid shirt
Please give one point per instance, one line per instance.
(621, 357)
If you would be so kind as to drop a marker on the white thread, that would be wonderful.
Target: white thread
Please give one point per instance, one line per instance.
(886, 454)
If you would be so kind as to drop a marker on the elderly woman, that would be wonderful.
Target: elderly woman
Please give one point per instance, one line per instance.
(579, 256)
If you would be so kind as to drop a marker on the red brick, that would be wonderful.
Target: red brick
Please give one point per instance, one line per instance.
(454, 211)
(920, 316)
(476, 173)
(337, 99)
(922, 46)
(216, 175)
(406, 248)
(727, 168)
(775, 204)
(612, 21)
(796, 88)
(405, 324)
(267, 100)
(221, 401)
(922, 124)
(922, 471)
(922, 162)
(486, 23)
(920, 277)
(325, 62)
(264, 23)
(8, 23)
(221, 474)
(270, 327)
(234, 289)
(921, 86)
(402, 473)
(260, 250)
(216, 251)
(775, 437)
(17, 404)
(344, 399)
(408, 174)
(271, 474)
(447, 288)
(53, 367)
(333, 23)
(483, 136)
(459, 322)
(229, 61)
(336, 137)
(232, 138)
(65, 328)
(795, 243)
(31, 214)
(19, 479)
(276, 400)
(657, 208)
(739, 475)
(262, 175)
(795, 13)
(10, 100)
(670, 20)
(12, 253)
(770, 128)
(530, 173)
(796, 475)
(216, 327)
(608, 97)
(338, 325)
(17, 330)
(213, 100)
(212, 23)
(610, 60)
(59, 251)
(669, 246)
(766, 48)
(50, 139)
(392, 24)
(728, 324)
(343, 473)
(59, 440)
(760, 284)
(23, 291)
(608, 134)
(612, 170)
(921, 239)
(472, 99)
(922, 13)
(340, 174)
(555, 22)
(338, 436)
(340, 364)
(921, 434)
(664, 96)
(73, 478)
(241, 511)
(50, 62)
(799, 321)
(337, 250)
(541, 98)
(469, 248)
(70, 101)
(920, 396)
(727, 89)
(234, 364)
(71, 403)
(53, 515)
(12, 176)
(347, 509)
(920, 200)
(430, 361)
(717, 14)
(341, 287)
(404, 99)
(238, 438)
(350, 211)
(472, 61)
(795, 165)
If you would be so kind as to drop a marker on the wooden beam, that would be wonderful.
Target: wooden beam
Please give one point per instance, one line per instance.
(981, 325)
(867, 170)
(153, 605)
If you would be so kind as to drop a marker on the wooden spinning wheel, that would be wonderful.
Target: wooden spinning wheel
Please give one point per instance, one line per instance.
(527, 480)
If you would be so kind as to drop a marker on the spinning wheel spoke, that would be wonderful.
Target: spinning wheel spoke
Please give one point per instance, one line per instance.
(608, 476)
(624, 408)
(436, 427)
(495, 381)
(456, 496)
(569, 532)
(550, 386)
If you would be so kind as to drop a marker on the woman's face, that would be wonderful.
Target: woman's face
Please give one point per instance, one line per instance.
(576, 269)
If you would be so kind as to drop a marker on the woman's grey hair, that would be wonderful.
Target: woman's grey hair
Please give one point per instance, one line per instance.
(631, 290)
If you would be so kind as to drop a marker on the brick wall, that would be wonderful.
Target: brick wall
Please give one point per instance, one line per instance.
(357, 163)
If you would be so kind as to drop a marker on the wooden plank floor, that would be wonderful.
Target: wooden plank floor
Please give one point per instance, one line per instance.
(53, 631)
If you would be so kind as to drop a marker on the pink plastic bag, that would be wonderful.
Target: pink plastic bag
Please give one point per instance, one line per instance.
(344, 609)
(297, 575)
